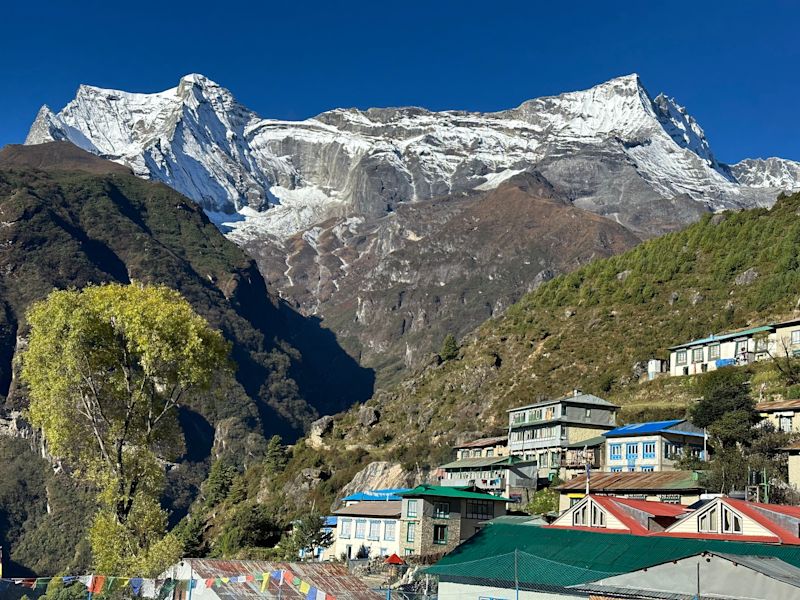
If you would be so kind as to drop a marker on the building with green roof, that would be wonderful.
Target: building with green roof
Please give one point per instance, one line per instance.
(435, 519)
(547, 562)
(509, 476)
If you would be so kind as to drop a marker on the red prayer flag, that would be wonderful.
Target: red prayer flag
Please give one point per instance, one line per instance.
(250, 578)
(97, 583)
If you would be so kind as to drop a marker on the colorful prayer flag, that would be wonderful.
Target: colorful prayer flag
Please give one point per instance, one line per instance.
(312, 593)
(264, 582)
(97, 583)
(136, 585)
(304, 587)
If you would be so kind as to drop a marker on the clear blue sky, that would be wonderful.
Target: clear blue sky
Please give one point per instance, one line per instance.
(734, 65)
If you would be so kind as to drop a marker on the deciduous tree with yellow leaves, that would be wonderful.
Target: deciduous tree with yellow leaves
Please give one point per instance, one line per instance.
(107, 368)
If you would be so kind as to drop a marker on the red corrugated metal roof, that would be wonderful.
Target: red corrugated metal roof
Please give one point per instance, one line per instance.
(608, 503)
(657, 509)
(330, 578)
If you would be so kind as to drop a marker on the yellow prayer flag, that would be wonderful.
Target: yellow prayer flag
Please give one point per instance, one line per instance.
(304, 587)
(264, 581)
(225, 579)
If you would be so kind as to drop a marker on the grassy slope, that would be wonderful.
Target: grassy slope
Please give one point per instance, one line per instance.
(587, 329)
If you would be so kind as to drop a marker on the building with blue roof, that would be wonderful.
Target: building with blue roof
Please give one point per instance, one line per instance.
(384, 495)
(653, 446)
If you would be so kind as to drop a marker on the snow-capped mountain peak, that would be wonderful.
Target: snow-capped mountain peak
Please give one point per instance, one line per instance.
(612, 148)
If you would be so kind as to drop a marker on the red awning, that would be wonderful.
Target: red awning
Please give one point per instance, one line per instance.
(394, 560)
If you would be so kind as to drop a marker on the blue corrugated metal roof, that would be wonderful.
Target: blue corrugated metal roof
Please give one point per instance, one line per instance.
(376, 495)
(649, 428)
(330, 521)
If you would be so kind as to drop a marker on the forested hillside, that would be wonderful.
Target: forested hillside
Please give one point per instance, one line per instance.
(591, 329)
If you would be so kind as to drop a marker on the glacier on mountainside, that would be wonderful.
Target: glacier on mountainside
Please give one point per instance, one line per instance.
(613, 149)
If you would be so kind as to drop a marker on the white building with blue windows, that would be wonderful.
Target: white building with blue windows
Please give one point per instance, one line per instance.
(654, 446)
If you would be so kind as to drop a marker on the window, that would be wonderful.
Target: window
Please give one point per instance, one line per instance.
(479, 509)
(440, 534)
(346, 525)
(713, 352)
(489, 453)
(741, 347)
(374, 530)
(579, 516)
(631, 450)
(796, 337)
(649, 450)
(517, 418)
(671, 451)
(441, 510)
(785, 424)
(731, 522)
(516, 436)
(588, 413)
(761, 344)
(388, 530)
(361, 525)
(697, 355)
(616, 469)
(411, 509)
(680, 357)
(408, 551)
(616, 451)
(708, 521)
(598, 516)
(649, 469)
(384, 552)
(411, 532)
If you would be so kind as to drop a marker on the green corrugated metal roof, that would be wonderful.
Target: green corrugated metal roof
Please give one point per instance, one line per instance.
(562, 557)
(723, 336)
(590, 443)
(482, 461)
(450, 492)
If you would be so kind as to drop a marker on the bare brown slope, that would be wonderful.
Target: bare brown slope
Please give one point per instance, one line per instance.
(391, 289)
(60, 156)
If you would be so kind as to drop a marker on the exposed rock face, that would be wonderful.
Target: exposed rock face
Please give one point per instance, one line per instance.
(381, 475)
(614, 149)
(746, 277)
(319, 429)
(368, 416)
(394, 287)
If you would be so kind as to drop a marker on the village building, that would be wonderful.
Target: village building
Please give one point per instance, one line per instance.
(245, 579)
(435, 519)
(735, 348)
(738, 520)
(619, 515)
(578, 455)
(793, 450)
(672, 487)
(382, 495)
(654, 446)
(489, 447)
(507, 476)
(544, 431)
(528, 562)
(367, 530)
(718, 518)
(783, 414)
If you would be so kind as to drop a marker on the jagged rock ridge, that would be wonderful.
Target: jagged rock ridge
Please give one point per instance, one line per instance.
(613, 149)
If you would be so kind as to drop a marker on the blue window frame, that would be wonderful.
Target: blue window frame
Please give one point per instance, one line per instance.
(616, 469)
(631, 450)
(647, 469)
(616, 451)
(649, 450)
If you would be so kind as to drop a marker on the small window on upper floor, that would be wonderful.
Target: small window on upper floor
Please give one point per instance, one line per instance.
(489, 453)
(731, 522)
(796, 337)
